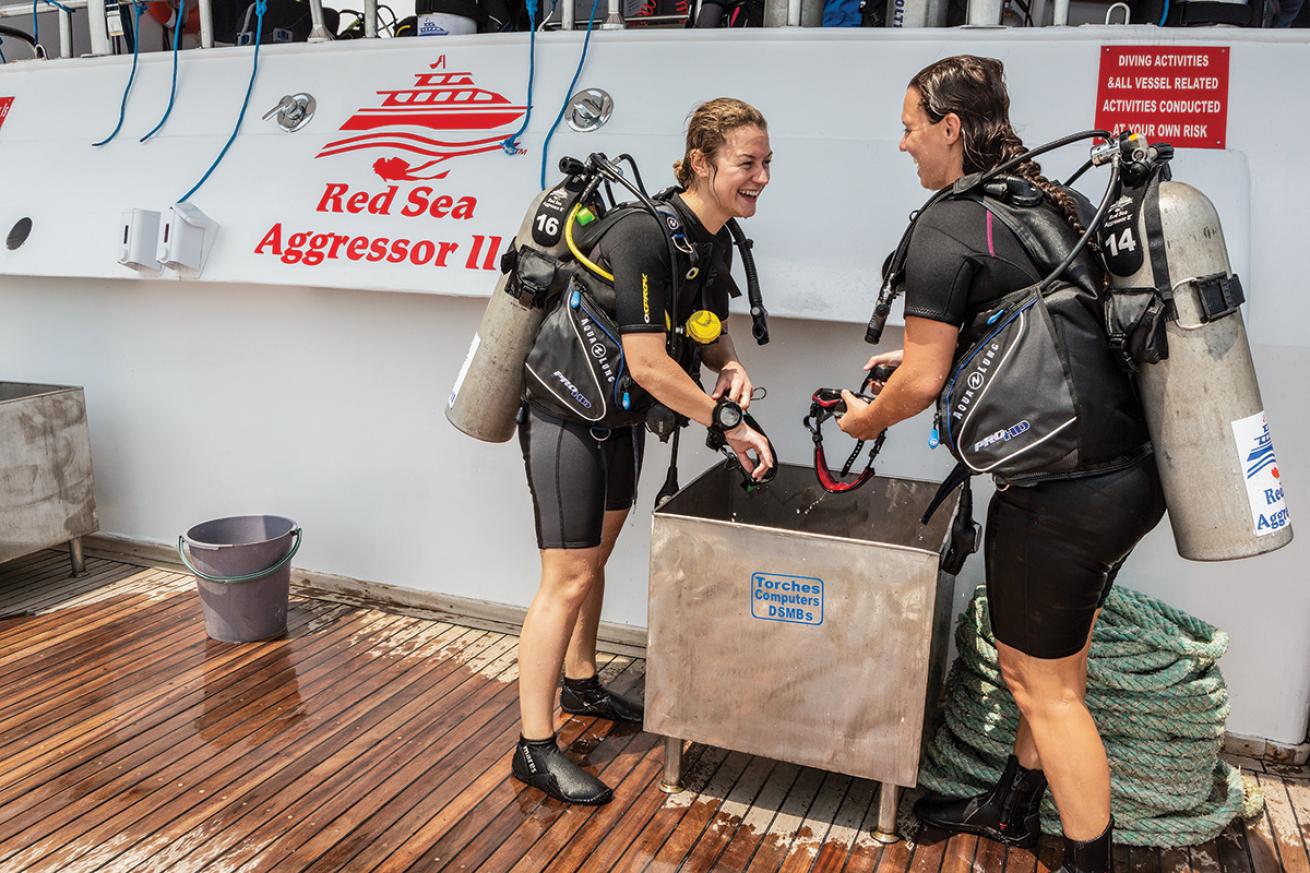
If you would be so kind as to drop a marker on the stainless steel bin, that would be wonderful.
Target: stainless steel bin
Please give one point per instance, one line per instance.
(799, 625)
(47, 493)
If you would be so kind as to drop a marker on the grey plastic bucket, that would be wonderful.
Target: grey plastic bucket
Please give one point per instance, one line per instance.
(242, 566)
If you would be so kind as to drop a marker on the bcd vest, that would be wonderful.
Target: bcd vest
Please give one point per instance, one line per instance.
(576, 368)
(1035, 391)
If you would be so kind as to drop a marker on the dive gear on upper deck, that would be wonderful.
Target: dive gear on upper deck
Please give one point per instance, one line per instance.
(1174, 317)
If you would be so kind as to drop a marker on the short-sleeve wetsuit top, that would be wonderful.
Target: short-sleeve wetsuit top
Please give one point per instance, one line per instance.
(636, 252)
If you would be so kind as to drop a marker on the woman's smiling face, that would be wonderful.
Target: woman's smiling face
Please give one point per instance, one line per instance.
(935, 146)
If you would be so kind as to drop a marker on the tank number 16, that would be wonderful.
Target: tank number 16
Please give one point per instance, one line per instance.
(548, 224)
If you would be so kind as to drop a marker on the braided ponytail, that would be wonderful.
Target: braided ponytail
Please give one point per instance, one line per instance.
(974, 89)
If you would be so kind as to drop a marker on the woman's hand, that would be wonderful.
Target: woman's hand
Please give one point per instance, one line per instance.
(887, 359)
(734, 384)
(853, 421)
(743, 438)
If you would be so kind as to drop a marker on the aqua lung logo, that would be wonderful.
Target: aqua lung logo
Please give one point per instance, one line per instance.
(598, 350)
(1005, 435)
(573, 390)
(975, 381)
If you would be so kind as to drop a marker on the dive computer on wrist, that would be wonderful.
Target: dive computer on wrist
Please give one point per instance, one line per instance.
(726, 416)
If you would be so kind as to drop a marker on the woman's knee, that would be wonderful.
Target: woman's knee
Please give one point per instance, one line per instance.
(1042, 687)
(569, 584)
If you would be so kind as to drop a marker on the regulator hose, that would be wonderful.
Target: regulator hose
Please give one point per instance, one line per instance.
(759, 315)
(1160, 703)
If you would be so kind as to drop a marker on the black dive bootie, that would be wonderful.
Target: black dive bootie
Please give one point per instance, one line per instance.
(589, 697)
(1092, 856)
(1008, 813)
(541, 764)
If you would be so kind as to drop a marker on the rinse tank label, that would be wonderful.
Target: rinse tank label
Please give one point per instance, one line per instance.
(783, 597)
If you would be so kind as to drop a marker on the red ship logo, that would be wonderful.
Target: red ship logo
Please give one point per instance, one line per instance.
(439, 101)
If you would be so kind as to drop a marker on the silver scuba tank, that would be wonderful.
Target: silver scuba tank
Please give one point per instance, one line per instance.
(1202, 401)
(488, 390)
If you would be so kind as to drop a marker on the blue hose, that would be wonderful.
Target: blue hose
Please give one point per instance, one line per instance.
(172, 90)
(545, 146)
(36, 31)
(261, 6)
(136, 53)
(511, 142)
(1165, 13)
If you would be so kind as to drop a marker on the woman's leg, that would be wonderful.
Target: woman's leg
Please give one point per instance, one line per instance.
(1050, 694)
(580, 659)
(567, 579)
(1024, 747)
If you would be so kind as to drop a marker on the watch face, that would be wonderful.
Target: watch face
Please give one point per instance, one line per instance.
(729, 417)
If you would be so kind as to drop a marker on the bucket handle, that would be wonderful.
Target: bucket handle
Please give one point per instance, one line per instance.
(286, 559)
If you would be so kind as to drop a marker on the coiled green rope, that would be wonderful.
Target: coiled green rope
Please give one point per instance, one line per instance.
(1159, 700)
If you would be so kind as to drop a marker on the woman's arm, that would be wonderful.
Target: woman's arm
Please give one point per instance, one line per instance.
(721, 357)
(660, 375)
(653, 369)
(917, 382)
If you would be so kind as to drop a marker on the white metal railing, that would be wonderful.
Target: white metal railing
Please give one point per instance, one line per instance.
(98, 30)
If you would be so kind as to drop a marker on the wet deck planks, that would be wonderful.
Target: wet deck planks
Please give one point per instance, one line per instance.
(369, 741)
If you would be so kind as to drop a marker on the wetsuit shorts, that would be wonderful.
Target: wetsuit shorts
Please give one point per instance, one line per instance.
(1053, 550)
(576, 474)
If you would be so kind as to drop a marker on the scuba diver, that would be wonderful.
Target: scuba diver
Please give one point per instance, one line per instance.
(582, 466)
(1055, 540)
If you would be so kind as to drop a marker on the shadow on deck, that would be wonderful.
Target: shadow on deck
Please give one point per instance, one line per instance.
(366, 740)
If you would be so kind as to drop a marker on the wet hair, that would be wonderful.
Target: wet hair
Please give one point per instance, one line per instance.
(974, 89)
(707, 130)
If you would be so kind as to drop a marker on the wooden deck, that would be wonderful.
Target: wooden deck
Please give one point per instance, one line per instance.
(367, 740)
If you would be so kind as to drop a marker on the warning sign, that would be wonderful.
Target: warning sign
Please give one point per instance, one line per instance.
(5, 103)
(1172, 94)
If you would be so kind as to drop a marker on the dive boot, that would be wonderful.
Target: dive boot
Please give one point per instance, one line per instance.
(589, 697)
(541, 764)
(1092, 856)
(1008, 813)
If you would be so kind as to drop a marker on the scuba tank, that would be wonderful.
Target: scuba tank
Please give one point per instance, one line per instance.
(1174, 316)
(485, 400)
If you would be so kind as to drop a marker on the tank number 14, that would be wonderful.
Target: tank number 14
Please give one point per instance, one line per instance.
(1125, 242)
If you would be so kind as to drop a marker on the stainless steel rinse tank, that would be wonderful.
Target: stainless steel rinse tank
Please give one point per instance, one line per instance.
(47, 494)
(799, 625)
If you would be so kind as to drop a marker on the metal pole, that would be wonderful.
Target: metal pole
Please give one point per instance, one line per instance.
(76, 556)
(1061, 17)
(319, 31)
(569, 16)
(371, 18)
(97, 29)
(672, 782)
(65, 34)
(793, 13)
(206, 24)
(886, 832)
(613, 21)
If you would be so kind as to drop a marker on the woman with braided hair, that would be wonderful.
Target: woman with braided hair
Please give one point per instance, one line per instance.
(1052, 547)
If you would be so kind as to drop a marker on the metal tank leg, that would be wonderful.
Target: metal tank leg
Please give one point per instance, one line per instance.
(885, 833)
(672, 782)
(75, 556)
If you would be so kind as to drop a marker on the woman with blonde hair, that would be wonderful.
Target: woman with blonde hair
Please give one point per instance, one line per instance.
(583, 478)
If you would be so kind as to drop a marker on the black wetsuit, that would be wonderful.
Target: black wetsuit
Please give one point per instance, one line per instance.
(577, 472)
(1053, 548)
